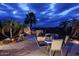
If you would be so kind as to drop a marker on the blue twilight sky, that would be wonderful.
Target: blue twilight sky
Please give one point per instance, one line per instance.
(47, 14)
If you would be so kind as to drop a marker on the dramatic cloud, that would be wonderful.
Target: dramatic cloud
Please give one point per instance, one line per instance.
(46, 13)
(23, 6)
(69, 10)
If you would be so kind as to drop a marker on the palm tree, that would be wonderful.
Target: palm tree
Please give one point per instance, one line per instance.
(30, 19)
(64, 26)
(75, 27)
(0, 26)
(9, 28)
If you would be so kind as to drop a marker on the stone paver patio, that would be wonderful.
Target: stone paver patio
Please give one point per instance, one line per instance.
(30, 48)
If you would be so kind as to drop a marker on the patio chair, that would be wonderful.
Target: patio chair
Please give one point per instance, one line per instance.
(65, 40)
(56, 45)
(40, 41)
(27, 31)
(68, 44)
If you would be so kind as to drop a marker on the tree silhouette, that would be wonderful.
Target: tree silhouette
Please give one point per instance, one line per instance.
(64, 26)
(30, 19)
(75, 27)
(9, 28)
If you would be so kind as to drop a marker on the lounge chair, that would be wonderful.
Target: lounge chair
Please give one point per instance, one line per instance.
(40, 40)
(56, 45)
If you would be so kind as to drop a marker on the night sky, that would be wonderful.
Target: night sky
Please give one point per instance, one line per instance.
(47, 14)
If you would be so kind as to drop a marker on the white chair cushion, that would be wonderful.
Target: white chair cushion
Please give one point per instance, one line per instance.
(66, 39)
(40, 38)
(56, 45)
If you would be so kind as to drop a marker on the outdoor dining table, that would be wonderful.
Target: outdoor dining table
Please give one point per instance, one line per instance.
(75, 41)
(55, 45)
(48, 43)
(72, 42)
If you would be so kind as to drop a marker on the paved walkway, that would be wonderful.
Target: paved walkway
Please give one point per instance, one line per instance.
(30, 48)
(21, 49)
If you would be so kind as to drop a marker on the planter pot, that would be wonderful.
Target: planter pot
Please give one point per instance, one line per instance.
(6, 41)
(1, 42)
(13, 40)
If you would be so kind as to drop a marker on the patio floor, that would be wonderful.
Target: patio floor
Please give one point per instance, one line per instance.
(30, 48)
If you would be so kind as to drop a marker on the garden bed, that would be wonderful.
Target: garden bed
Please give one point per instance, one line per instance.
(9, 41)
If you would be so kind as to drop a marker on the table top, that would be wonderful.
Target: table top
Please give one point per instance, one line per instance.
(49, 41)
(75, 41)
